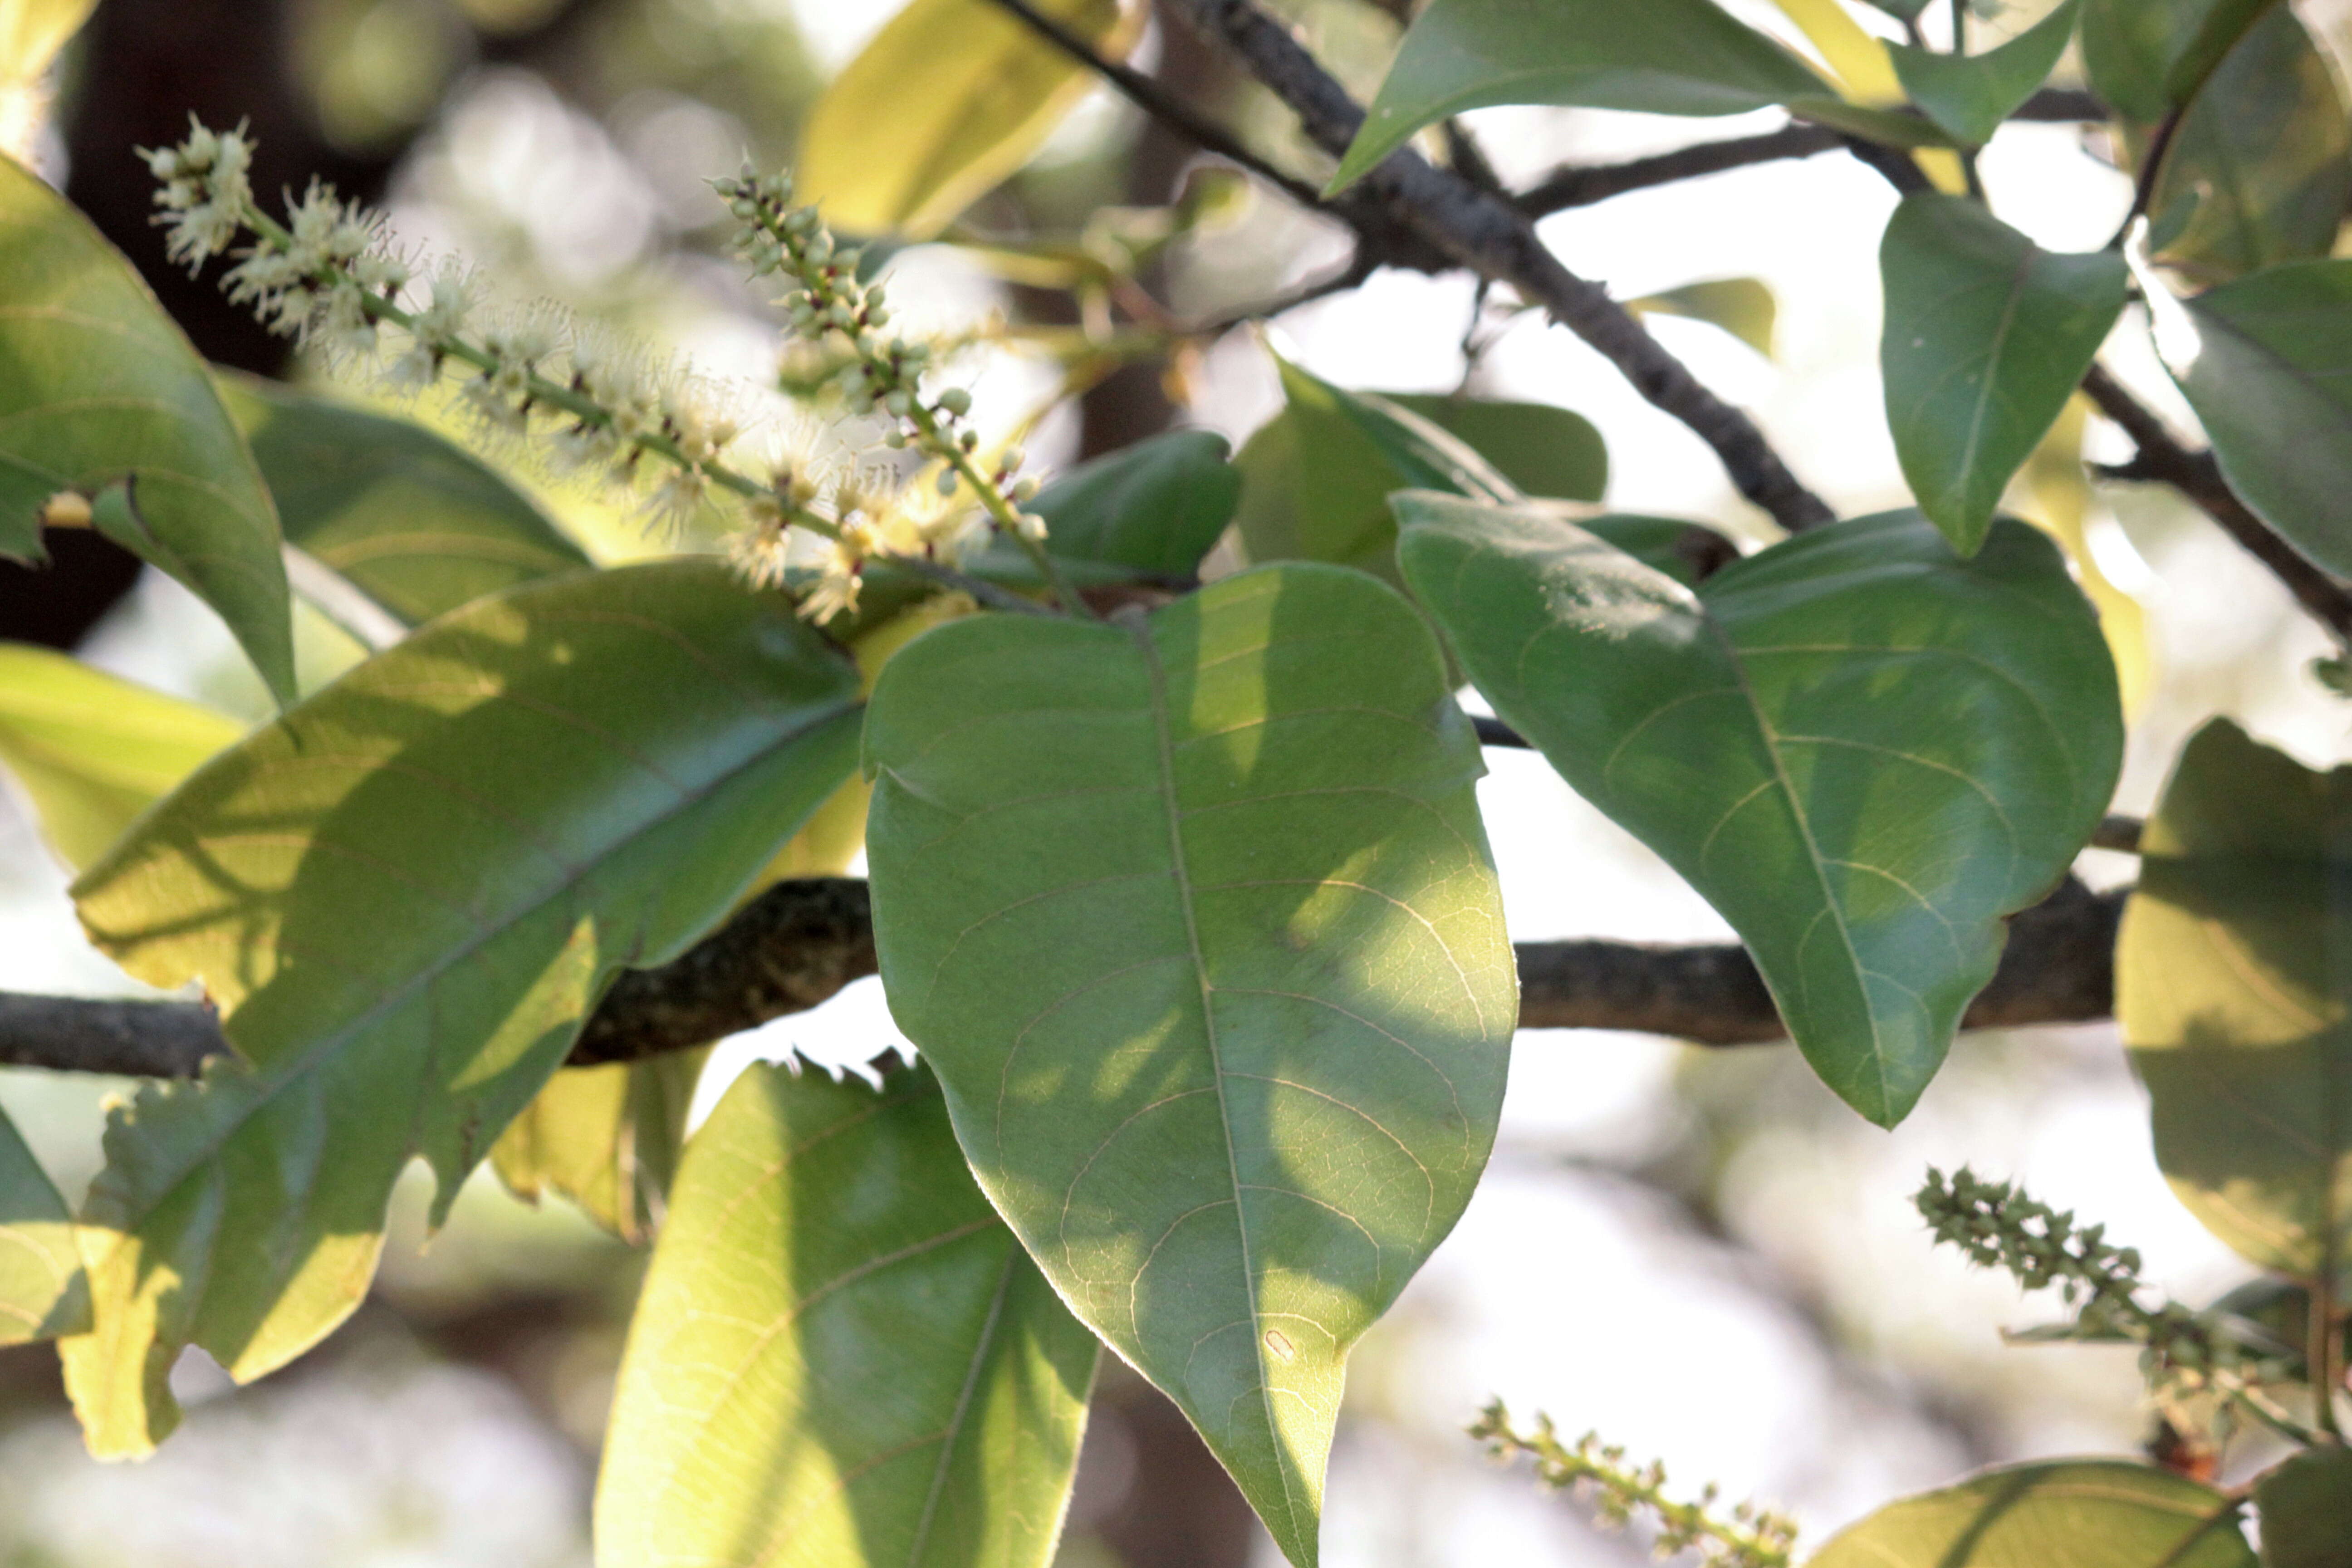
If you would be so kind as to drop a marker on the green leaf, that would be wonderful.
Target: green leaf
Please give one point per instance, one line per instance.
(1317, 477)
(93, 750)
(1195, 916)
(1862, 750)
(2306, 1507)
(43, 1292)
(1157, 506)
(2080, 1513)
(1744, 307)
(415, 522)
(2266, 362)
(607, 1137)
(1971, 95)
(99, 387)
(1986, 337)
(842, 1357)
(945, 104)
(2263, 160)
(2232, 994)
(1659, 57)
(2147, 57)
(33, 31)
(1668, 544)
(405, 895)
(1543, 450)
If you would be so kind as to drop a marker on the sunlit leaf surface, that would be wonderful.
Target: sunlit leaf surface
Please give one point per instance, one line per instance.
(2077, 1514)
(1195, 916)
(842, 1359)
(43, 1292)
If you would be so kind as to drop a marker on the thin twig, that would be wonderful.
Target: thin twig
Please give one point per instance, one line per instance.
(2196, 475)
(1491, 237)
(1575, 185)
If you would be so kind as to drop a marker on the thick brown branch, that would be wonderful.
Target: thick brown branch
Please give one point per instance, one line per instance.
(800, 942)
(2162, 458)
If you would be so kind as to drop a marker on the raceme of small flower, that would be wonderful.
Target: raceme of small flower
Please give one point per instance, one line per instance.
(1749, 1537)
(1998, 1226)
(328, 275)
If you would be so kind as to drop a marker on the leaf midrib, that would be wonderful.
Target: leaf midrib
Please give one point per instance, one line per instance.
(1140, 631)
(302, 1064)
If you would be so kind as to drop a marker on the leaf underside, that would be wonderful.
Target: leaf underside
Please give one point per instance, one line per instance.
(2082, 1514)
(1862, 750)
(842, 1357)
(1195, 919)
(43, 1292)
(405, 895)
(2234, 986)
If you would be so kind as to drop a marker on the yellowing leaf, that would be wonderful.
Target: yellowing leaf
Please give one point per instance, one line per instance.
(2059, 498)
(33, 31)
(949, 100)
(92, 749)
(43, 1292)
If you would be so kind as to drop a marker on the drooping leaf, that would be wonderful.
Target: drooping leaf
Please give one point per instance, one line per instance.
(33, 31)
(1660, 57)
(1970, 95)
(2233, 989)
(2078, 1513)
(93, 750)
(1986, 337)
(1194, 917)
(1862, 750)
(1744, 307)
(607, 1137)
(1317, 477)
(1157, 506)
(2266, 362)
(2306, 1507)
(1542, 450)
(950, 99)
(98, 387)
(842, 1357)
(43, 1292)
(2262, 158)
(2146, 58)
(405, 895)
(412, 520)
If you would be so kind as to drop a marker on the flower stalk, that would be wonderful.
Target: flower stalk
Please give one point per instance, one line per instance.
(325, 272)
(1751, 1537)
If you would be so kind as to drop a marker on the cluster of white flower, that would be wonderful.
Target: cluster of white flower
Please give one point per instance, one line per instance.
(325, 275)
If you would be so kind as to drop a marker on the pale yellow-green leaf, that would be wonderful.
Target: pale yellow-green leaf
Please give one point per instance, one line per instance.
(43, 1292)
(2083, 1513)
(93, 750)
(607, 1137)
(2057, 498)
(946, 101)
(842, 1358)
(1744, 307)
(33, 31)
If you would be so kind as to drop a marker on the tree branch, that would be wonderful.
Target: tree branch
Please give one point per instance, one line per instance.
(800, 941)
(2162, 458)
(1575, 185)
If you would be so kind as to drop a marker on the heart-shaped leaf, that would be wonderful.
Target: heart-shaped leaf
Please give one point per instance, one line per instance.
(91, 749)
(2231, 991)
(1157, 506)
(842, 1358)
(99, 387)
(1970, 95)
(947, 101)
(43, 1292)
(1195, 916)
(412, 520)
(2262, 161)
(1864, 751)
(2266, 362)
(2306, 1511)
(1658, 57)
(2083, 1513)
(1986, 337)
(405, 895)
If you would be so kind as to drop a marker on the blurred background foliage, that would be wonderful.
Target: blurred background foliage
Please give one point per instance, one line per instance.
(1700, 1253)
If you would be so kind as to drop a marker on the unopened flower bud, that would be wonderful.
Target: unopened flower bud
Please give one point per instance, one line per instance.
(956, 401)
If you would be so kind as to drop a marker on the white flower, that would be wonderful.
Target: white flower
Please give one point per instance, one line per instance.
(836, 590)
(677, 500)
